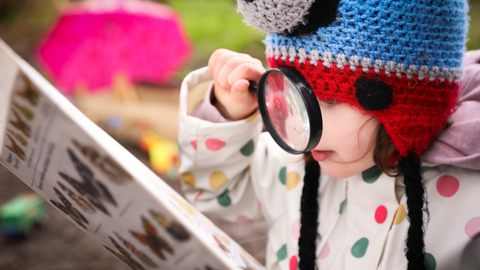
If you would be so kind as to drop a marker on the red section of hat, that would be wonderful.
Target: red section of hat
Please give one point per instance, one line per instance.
(419, 108)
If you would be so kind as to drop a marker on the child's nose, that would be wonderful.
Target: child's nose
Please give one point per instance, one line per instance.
(283, 17)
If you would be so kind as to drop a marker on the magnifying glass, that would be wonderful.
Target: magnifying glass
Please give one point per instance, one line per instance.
(289, 109)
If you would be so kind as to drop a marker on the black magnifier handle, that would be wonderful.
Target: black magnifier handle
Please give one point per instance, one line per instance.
(253, 87)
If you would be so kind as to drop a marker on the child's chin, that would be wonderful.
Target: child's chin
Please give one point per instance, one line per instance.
(337, 171)
(339, 175)
(340, 170)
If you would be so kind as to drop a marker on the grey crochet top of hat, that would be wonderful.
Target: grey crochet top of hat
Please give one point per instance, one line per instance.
(274, 16)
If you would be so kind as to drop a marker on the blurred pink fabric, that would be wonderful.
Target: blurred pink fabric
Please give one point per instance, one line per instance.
(94, 41)
(459, 144)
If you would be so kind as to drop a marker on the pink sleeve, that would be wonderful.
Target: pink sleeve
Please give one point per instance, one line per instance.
(471, 57)
(458, 143)
(206, 111)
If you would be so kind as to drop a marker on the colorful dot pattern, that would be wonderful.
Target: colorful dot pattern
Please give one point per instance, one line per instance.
(243, 219)
(199, 194)
(248, 148)
(342, 205)
(424, 168)
(214, 144)
(430, 262)
(371, 175)
(472, 229)
(360, 248)
(296, 229)
(293, 262)
(380, 214)
(447, 185)
(252, 117)
(194, 144)
(325, 251)
(217, 179)
(282, 253)
(283, 175)
(400, 215)
(224, 199)
(293, 180)
(361, 224)
(189, 179)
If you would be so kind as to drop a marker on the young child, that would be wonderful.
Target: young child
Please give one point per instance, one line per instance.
(399, 182)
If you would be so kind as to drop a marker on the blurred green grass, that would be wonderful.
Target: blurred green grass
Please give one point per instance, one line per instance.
(474, 26)
(214, 24)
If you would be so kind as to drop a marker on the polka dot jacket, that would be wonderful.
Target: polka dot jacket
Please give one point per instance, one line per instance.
(236, 172)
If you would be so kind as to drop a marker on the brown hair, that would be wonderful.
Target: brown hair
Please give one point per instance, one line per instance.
(385, 155)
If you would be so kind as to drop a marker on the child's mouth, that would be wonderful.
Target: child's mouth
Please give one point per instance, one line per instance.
(321, 155)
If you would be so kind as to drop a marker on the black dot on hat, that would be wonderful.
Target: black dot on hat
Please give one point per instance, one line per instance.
(373, 94)
(321, 14)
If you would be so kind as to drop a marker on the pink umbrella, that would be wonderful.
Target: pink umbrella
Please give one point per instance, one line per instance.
(92, 42)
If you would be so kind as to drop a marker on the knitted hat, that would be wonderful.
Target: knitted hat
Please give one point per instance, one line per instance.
(397, 60)
(411, 49)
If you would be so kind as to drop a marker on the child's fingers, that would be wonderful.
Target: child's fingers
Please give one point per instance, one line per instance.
(240, 85)
(212, 62)
(241, 67)
(249, 71)
(225, 60)
(228, 67)
(239, 93)
(220, 60)
(232, 72)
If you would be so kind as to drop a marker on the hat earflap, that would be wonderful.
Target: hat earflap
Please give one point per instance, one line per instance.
(309, 210)
(411, 169)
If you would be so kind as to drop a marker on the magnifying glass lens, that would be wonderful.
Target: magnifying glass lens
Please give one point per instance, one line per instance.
(287, 111)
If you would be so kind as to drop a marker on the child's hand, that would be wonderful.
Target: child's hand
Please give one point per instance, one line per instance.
(231, 72)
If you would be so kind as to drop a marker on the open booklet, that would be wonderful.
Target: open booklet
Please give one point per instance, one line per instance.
(98, 185)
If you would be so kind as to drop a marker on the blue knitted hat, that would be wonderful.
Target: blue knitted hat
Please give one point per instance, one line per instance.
(412, 49)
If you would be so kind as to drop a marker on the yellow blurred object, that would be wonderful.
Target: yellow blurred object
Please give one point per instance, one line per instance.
(163, 153)
(126, 112)
(131, 114)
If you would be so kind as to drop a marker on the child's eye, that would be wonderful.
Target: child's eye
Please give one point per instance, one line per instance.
(330, 101)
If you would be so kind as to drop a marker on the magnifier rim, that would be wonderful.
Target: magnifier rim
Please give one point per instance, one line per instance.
(309, 99)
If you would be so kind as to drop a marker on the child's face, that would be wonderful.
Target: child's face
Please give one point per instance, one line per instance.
(347, 143)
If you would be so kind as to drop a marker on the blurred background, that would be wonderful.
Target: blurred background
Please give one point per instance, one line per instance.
(113, 63)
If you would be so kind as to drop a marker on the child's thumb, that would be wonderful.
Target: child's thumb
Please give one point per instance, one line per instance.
(239, 90)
